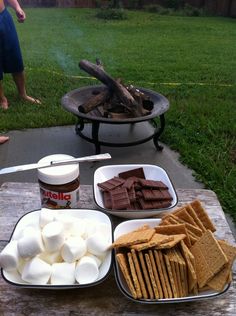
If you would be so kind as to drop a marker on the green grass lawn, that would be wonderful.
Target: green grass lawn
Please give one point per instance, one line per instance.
(191, 60)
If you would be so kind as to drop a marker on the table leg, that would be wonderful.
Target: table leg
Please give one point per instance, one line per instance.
(159, 131)
(95, 129)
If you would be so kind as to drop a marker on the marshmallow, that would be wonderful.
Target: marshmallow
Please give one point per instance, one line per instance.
(51, 257)
(53, 236)
(97, 244)
(63, 273)
(91, 226)
(29, 229)
(9, 256)
(98, 260)
(20, 265)
(105, 230)
(86, 270)
(73, 249)
(67, 220)
(78, 228)
(46, 216)
(30, 244)
(36, 271)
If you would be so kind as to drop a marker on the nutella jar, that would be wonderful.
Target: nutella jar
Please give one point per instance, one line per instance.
(59, 185)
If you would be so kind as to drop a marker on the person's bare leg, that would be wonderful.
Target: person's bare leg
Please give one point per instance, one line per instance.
(3, 99)
(19, 79)
(3, 139)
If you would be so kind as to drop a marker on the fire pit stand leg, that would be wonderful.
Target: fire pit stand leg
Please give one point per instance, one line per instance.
(79, 126)
(159, 131)
(95, 129)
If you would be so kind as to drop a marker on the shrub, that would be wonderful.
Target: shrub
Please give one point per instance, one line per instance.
(111, 14)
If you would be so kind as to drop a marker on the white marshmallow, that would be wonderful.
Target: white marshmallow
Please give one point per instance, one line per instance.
(73, 249)
(46, 216)
(105, 230)
(98, 260)
(86, 270)
(63, 273)
(30, 244)
(67, 220)
(91, 226)
(20, 265)
(51, 257)
(9, 256)
(97, 244)
(36, 271)
(78, 228)
(53, 236)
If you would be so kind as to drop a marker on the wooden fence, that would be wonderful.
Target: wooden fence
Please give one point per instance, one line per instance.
(217, 7)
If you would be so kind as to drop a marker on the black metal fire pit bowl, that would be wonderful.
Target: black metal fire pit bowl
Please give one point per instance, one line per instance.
(73, 99)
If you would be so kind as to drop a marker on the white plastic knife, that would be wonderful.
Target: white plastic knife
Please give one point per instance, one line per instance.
(54, 163)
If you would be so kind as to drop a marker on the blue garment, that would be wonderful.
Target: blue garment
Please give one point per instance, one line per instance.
(10, 53)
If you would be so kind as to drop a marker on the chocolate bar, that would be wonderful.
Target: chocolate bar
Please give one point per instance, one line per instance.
(131, 191)
(111, 184)
(120, 199)
(153, 184)
(138, 172)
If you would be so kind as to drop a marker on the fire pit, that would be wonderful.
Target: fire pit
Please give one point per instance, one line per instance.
(73, 99)
(114, 103)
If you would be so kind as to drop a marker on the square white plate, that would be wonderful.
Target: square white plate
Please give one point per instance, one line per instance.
(32, 219)
(130, 225)
(151, 172)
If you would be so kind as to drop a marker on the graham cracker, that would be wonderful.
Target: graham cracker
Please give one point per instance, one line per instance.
(219, 281)
(155, 272)
(146, 275)
(174, 229)
(134, 237)
(182, 270)
(121, 259)
(209, 257)
(191, 273)
(175, 271)
(134, 275)
(190, 228)
(193, 214)
(202, 215)
(184, 215)
(171, 244)
(156, 240)
(163, 274)
(170, 274)
(139, 274)
(151, 274)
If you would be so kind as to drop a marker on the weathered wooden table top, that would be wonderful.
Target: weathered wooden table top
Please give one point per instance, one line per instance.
(17, 199)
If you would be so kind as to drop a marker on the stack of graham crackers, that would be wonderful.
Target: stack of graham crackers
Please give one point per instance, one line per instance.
(180, 257)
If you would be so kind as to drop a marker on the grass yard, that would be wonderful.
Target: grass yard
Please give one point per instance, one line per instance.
(191, 60)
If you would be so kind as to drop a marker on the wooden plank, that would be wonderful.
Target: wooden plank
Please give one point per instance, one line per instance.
(17, 199)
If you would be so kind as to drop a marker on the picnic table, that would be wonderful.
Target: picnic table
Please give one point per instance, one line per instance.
(17, 198)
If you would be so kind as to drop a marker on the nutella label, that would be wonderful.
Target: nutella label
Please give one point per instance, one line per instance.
(52, 199)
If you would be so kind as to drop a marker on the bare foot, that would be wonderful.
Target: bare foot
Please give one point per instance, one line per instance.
(31, 100)
(4, 103)
(3, 139)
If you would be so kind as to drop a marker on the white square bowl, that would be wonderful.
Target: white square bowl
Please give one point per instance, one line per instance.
(151, 172)
(32, 219)
(128, 226)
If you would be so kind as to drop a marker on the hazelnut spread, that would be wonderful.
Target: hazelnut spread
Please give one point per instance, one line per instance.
(59, 185)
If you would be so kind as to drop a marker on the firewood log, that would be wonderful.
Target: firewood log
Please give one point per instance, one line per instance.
(126, 99)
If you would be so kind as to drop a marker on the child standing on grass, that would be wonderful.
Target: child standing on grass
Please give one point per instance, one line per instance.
(10, 53)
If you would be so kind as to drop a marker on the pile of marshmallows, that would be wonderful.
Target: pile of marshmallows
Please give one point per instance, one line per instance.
(60, 249)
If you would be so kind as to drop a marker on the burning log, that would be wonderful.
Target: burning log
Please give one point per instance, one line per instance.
(133, 101)
(95, 101)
